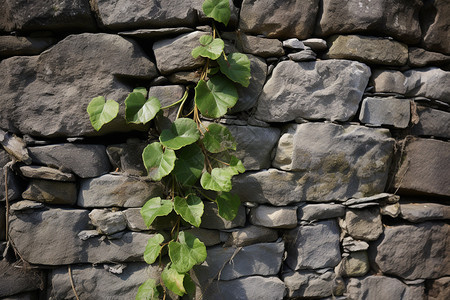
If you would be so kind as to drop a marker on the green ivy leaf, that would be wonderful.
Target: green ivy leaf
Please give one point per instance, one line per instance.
(173, 280)
(212, 48)
(237, 165)
(153, 248)
(190, 209)
(218, 138)
(155, 207)
(228, 205)
(214, 97)
(148, 291)
(219, 10)
(183, 132)
(141, 90)
(187, 252)
(140, 110)
(189, 284)
(101, 111)
(218, 180)
(189, 165)
(159, 162)
(236, 67)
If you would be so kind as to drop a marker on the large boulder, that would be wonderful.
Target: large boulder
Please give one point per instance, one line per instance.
(47, 95)
(329, 89)
(396, 18)
(280, 18)
(413, 251)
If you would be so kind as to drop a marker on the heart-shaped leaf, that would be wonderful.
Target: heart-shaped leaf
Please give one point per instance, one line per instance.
(159, 162)
(187, 252)
(101, 111)
(148, 291)
(237, 165)
(218, 180)
(214, 97)
(189, 165)
(182, 133)
(155, 207)
(236, 67)
(173, 280)
(219, 10)
(211, 49)
(141, 90)
(153, 248)
(218, 138)
(140, 110)
(190, 209)
(228, 205)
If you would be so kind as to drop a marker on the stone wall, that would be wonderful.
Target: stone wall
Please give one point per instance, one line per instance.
(344, 132)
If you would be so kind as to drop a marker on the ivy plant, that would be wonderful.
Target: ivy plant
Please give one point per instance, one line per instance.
(191, 155)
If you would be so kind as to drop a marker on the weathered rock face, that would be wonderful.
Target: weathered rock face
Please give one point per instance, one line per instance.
(313, 247)
(16, 280)
(49, 237)
(252, 235)
(308, 284)
(436, 35)
(372, 17)
(330, 89)
(385, 111)
(274, 217)
(421, 170)
(439, 289)
(40, 172)
(24, 15)
(421, 212)
(14, 46)
(364, 224)
(321, 211)
(14, 186)
(418, 57)
(432, 122)
(354, 265)
(413, 252)
(121, 14)
(51, 192)
(66, 77)
(340, 156)
(372, 50)
(252, 287)
(117, 190)
(97, 282)
(65, 157)
(280, 19)
(381, 287)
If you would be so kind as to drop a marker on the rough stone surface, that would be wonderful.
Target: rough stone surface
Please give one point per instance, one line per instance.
(364, 224)
(436, 35)
(248, 96)
(351, 245)
(439, 289)
(26, 205)
(17, 280)
(65, 158)
(166, 95)
(51, 192)
(207, 236)
(385, 111)
(309, 284)
(254, 145)
(432, 122)
(258, 259)
(371, 50)
(14, 186)
(121, 14)
(421, 212)
(397, 18)
(252, 287)
(212, 220)
(381, 288)
(30, 86)
(313, 247)
(117, 190)
(259, 46)
(252, 235)
(316, 44)
(329, 89)
(312, 212)
(413, 252)
(432, 83)
(279, 19)
(128, 157)
(108, 222)
(305, 55)
(156, 32)
(15, 146)
(331, 158)
(135, 221)
(354, 265)
(422, 171)
(418, 57)
(50, 237)
(20, 45)
(26, 15)
(294, 43)
(174, 55)
(97, 282)
(274, 217)
(40, 172)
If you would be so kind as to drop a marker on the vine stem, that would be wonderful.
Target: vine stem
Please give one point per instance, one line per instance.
(183, 99)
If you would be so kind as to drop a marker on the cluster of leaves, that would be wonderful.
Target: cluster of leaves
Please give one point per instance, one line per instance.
(197, 157)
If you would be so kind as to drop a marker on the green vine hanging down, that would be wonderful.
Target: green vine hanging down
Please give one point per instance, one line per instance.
(187, 154)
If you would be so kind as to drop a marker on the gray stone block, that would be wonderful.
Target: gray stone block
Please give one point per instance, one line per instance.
(212, 220)
(51, 192)
(364, 224)
(421, 212)
(432, 122)
(385, 111)
(251, 235)
(312, 212)
(274, 217)
(17, 280)
(40, 172)
(309, 284)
